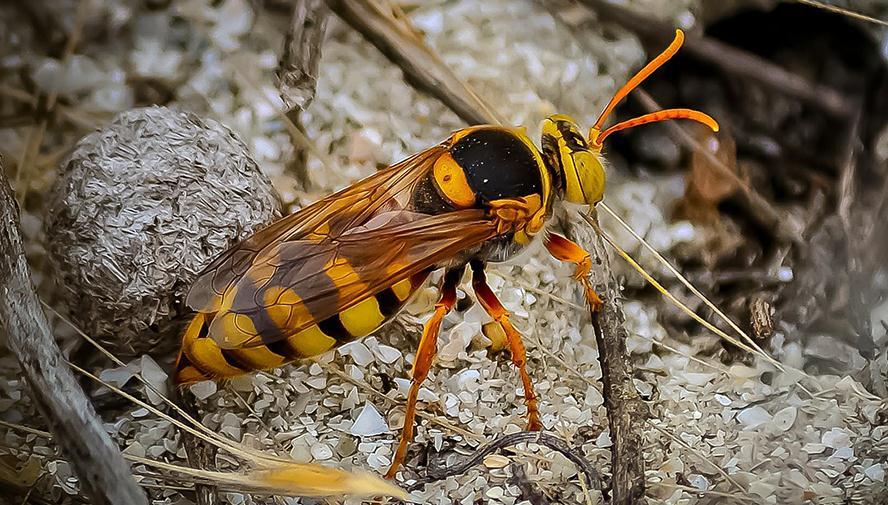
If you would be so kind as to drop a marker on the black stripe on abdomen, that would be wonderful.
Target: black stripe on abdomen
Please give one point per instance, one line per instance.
(389, 304)
(333, 327)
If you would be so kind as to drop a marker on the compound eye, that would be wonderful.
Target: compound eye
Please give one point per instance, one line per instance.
(572, 137)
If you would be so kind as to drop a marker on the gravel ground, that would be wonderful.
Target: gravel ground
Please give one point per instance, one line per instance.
(750, 432)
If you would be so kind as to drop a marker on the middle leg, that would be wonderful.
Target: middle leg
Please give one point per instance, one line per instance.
(492, 305)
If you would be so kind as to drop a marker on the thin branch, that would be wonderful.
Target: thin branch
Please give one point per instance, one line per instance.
(844, 12)
(104, 476)
(626, 411)
(522, 437)
(297, 71)
(729, 58)
(200, 453)
(422, 67)
(759, 208)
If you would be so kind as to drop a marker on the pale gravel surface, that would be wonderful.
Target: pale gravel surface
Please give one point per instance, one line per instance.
(774, 440)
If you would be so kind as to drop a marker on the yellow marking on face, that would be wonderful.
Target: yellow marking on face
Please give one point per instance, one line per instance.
(582, 166)
(403, 289)
(592, 175)
(311, 342)
(451, 180)
(360, 320)
(206, 355)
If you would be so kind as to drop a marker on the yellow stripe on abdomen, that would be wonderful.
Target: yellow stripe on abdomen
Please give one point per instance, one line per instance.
(311, 342)
(201, 358)
(207, 357)
(259, 357)
(362, 319)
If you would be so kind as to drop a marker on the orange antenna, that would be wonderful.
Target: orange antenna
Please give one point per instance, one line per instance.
(660, 115)
(596, 136)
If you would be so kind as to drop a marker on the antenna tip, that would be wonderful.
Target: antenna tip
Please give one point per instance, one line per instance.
(679, 36)
(710, 122)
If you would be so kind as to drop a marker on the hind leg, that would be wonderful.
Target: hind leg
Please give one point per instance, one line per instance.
(492, 305)
(428, 346)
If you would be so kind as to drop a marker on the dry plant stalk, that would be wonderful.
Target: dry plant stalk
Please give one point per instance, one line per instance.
(103, 474)
(422, 68)
(729, 58)
(297, 72)
(626, 410)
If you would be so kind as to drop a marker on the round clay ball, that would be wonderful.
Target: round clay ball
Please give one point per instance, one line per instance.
(138, 210)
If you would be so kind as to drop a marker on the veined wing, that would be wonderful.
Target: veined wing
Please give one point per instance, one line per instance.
(299, 283)
(325, 219)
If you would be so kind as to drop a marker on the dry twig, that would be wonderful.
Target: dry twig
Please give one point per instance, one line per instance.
(424, 69)
(626, 411)
(759, 208)
(522, 437)
(200, 454)
(297, 71)
(729, 58)
(104, 476)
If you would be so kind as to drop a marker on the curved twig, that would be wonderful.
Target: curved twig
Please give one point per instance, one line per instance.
(532, 437)
(104, 476)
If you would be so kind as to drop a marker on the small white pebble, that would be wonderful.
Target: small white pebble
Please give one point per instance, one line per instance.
(753, 417)
(358, 352)
(321, 452)
(785, 274)
(844, 453)
(496, 461)
(836, 438)
(495, 493)
(698, 481)
(784, 419)
(369, 422)
(875, 472)
(387, 354)
(203, 390)
(814, 448)
(722, 399)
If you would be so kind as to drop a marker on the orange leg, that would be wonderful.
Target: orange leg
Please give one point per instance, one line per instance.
(428, 346)
(499, 314)
(565, 250)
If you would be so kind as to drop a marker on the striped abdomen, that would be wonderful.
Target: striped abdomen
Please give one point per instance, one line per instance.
(202, 359)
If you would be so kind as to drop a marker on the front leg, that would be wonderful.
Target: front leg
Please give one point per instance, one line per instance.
(565, 250)
(499, 314)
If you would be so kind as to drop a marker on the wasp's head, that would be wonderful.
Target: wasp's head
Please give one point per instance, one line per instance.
(577, 160)
(579, 166)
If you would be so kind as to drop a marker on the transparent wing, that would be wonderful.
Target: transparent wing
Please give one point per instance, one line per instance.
(325, 219)
(304, 282)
